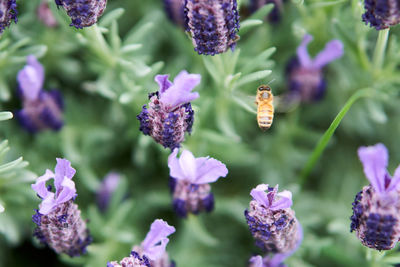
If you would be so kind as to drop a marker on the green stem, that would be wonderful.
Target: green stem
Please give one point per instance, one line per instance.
(379, 53)
(98, 45)
(323, 141)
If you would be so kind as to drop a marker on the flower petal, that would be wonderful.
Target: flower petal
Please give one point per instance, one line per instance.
(47, 204)
(209, 170)
(302, 53)
(67, 192)
(256, 261)
(175, 170)
(333, 50)
(180, 92)
(187, 163)
(31, 78)
(395, 181)
(375, 161)
(260, 195)
(63, 169)
(40, 185)
(163, 82)
(156, 239)
(284, 201)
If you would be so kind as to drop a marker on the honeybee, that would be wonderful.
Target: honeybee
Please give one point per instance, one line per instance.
(265, 108)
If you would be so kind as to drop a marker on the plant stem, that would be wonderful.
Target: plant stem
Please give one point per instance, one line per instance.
(323, 141)
(379, 53)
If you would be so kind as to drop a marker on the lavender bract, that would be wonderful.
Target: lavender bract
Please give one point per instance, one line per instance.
(272, 222)
(83, 13)
(213, 25)
(41, 109)
(275, 261)
(107, 188)
(190, 178)
(376, 209)
(151, 252)
(8, 13)
(58, 220)
(305, 75)
(175, 10)
(381, 14)
(170, 113)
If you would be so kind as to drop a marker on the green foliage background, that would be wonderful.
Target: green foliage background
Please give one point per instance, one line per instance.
(105, 73)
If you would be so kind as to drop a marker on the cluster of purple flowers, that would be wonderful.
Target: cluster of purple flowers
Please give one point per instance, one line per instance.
(381, 14)
(273, 224)
(8, 13)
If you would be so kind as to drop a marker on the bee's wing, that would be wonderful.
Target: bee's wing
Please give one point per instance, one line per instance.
(285, 103)
(245, 101)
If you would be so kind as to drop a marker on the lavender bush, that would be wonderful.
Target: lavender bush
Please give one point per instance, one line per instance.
(75, 81)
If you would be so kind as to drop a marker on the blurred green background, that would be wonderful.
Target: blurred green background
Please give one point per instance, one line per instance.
(105, 73)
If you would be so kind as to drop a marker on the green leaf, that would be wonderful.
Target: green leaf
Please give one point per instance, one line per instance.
(5, 115)
(255, 76)
(111, 17)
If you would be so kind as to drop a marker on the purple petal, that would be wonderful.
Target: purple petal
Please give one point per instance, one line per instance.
(175, 169)
(260, 195)
(47, 204)
(180, 92)
(333, 50)
(284, 201)
(40, 184)
(375, 160)
(67, 191)
(395, 181)
(31, 78)
(163, 82)
(187, 163)
(302, 53)
(63, 169)
(256, 261)
(156, 239)
(209, 170)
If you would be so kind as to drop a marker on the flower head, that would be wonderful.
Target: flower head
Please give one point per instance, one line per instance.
(58, 220)
(375, 218)
(190, 178)
(41, 109)
(152, 251)
(170, 114)
(267, 261)
(175, 10)
(213, 25)
(45, 15)
(83, 13)
(306, 79)
(272, 222)
(8, 13)
(275, 14)
(107, 188)
(381, 14)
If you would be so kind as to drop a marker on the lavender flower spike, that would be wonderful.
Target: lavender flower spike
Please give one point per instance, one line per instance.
(58, 220)
(305, 75)
(213, 25)
(170, 114)
(275, 261)
(152, 250)
(272, 222)
(376, 217)
(190, 178)
(83, 13)
(45, 15)
(107, 188)
(8, 13)
(381, 14)
(175, 11)
(41, 109)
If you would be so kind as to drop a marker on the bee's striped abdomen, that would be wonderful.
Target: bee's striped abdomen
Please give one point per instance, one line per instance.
(265, 116)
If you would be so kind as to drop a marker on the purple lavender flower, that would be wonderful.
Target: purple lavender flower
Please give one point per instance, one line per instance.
(272, 222)
(8, 13)
(45, 15)
(381, 14)
(175, 10)
(151, 252)
(41, 109)
(376, 214)
(275, 261)
(275, 15)
(170, 113)
(83, 13)
(305, 76)
(58, 220)
(107, 188)
(190, 178)
(213, 25)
